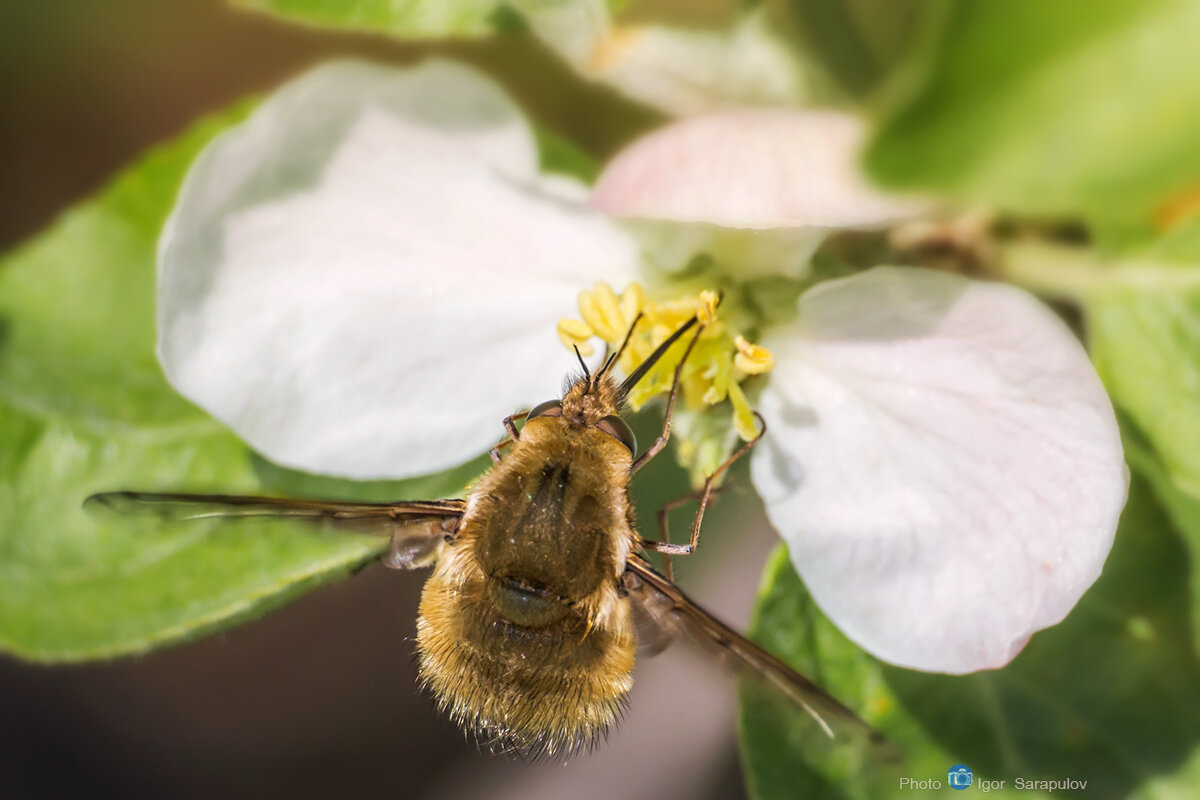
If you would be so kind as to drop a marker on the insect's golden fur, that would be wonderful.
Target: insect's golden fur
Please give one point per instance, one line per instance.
(524, 635)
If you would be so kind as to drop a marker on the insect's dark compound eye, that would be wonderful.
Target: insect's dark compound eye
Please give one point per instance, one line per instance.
(615, 427)
(550, 408)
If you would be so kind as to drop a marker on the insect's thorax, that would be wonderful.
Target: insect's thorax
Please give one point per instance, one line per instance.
(552, 519)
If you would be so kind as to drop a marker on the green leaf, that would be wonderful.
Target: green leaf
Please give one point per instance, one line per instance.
(858, 42)
(1183, 508)
(1179, 245)
(84, 408)
(77, 303)
(407, 18)
(784, 754)
(1145, 342)
(72, 589)
(1143, 331)
(561, 156)
(1110, 695)
(1072, 107)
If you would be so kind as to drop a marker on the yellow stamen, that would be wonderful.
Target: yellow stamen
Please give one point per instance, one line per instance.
(743, 416)
(633, 300)
(601, 310)
(722, 370)
(719, 361)
(707, 311)
(752, 359)
(673, 313)
(575, 333)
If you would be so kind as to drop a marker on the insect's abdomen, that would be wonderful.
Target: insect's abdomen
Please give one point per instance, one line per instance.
(523, 637)
(541, 690)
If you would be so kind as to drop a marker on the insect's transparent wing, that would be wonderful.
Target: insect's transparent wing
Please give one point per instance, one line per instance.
(662, 611)
(415, 528)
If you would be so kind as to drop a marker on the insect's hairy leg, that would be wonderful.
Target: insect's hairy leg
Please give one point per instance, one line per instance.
(414, 543)
(664, 546)
(661, 441)
(510, 426)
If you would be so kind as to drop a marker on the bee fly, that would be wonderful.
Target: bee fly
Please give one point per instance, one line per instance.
(539, 594)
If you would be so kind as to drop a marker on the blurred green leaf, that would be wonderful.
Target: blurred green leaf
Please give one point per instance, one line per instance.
(858, 42)
(1180, 244)
(408, 19)
(1108, 696)
(412, 18)
(1183, 508)
(1073, 107)
(1145, 342)
(561, 156)
(1143, 332)
(84, 408)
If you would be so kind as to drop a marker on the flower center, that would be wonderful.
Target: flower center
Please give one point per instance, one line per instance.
(719, 362)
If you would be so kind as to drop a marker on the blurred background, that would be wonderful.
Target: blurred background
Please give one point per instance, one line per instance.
(319, 697)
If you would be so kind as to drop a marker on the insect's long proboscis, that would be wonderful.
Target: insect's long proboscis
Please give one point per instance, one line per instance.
(639, 373)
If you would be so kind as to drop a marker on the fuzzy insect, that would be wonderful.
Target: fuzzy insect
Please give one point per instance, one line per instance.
(539, 597)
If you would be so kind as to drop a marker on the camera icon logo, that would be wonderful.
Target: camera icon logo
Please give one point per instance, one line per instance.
(959, 777)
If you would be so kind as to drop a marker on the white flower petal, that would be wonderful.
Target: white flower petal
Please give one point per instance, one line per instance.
(943, 463)
(364, 278)
(571, 28)
(764, 168)
(741, 252)
(679, 71)
(688, 72)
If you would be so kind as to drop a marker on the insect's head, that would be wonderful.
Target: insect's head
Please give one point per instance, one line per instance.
(595, 400)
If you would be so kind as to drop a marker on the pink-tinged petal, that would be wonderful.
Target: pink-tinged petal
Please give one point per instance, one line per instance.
(762, 168)
(943, 463)
(364, 277)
